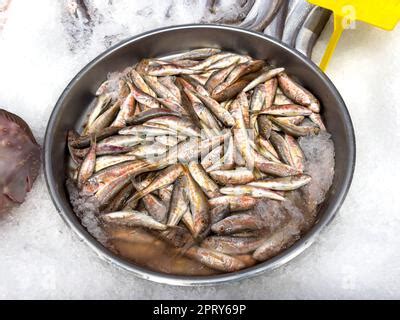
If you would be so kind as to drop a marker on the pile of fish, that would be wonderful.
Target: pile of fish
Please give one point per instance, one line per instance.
(186, 146)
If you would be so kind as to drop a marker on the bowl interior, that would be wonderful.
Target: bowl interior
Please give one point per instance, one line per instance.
(73, 105)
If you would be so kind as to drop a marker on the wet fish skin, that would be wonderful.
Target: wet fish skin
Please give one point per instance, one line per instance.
(148, 151)
(118, 202)
(244, 104)
(104, 120)
(200, 78)
(103, 88)
(143, 98)
(198, 204)
(103, 102)
(84, 140)
(202, 178)
(203, 113)
(220, 113)
(253, 191)
(238, 158)
(72, 136)
(265, 149)
(211, 157)
(168, 70)
(163, 178)
(146, 131)
(232, 245)
(173, 105)
(144, 116)
(159, 88)
(178, 237)
(276, 243)
(217, 78)
(237, 176)
(238, 223)
(297, 120)
(181, 125)
(169, 83)
(263, 78)
(294, 130)
(203, 65)
(107, 192)
(215, 260)
(179, 202)
(190, 103)
(228, 61)
(231, 91)
(240, 134)
(170, 140)
(228, 161)
(224, 161)
(317, 119)
(235, 203)
(188, 221)
(119, 144)
(154, 206)
(282, 148)
(258, 97)
(133, 235)
(165, 194)
(297, 155)
(126, 111)
(281, 99)
(243, 69)
(201, 53)
(271, 87)
(286, 110)
(106, 161)
(138, 185)
(268, 146)
(264, 126)
(190, 149)
(105, 176)
(133, 219)
(297, 93)
(239, 71)
(274, 168)
(283, 184)
(218, 213)
(88, 165)
(139, 82)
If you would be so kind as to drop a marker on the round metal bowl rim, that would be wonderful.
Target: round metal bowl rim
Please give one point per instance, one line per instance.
(147, 274)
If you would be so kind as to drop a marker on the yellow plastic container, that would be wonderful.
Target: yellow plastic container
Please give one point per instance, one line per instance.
(381, 13)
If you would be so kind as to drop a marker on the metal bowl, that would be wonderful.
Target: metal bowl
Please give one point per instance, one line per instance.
(71, 107)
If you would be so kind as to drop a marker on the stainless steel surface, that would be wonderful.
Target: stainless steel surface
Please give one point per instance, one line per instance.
(68, 111)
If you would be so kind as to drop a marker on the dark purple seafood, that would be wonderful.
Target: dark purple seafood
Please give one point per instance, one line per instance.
(19, 160)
